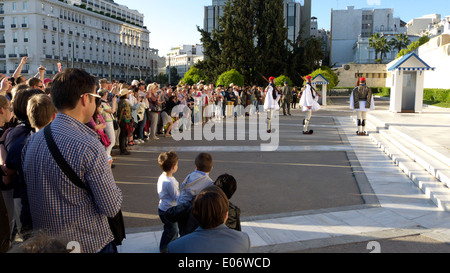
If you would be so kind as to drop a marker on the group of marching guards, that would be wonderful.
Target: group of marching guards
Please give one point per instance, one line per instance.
(361, 101)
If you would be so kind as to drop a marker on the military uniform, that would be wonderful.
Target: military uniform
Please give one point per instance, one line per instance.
(362, 101)
(287, 98)
(308, 104)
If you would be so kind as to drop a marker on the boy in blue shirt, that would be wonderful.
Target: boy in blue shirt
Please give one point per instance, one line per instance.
(197, 180)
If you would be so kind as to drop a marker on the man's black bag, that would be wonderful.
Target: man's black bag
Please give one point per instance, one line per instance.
(116, 224)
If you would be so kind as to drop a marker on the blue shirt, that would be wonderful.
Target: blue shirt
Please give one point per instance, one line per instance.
(58, 206)
(214, 240)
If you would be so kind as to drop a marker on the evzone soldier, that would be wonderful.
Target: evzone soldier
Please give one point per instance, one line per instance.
(309, 103)
(362, 102)
(271, 103)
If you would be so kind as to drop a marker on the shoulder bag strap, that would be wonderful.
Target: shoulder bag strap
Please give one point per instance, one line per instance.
(62, 163)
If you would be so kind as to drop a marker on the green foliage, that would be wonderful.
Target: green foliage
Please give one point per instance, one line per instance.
(271, 37)
(436, 95)
(381, 91)
(193, 76)
(380, 44)
(229, 77)
(252, 39)
(281, 79)
(328, 74)
(413, 46)
(400, 41)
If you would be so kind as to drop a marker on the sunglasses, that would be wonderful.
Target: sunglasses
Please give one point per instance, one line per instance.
(97, 97)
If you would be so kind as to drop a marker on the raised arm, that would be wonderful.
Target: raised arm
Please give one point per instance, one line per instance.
(18, 71)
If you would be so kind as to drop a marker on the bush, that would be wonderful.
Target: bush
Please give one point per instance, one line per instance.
(193, 76)
(281, 79)
(381, 91)
(328, 74)
(436, 95)
(230, 77)
(413, 46)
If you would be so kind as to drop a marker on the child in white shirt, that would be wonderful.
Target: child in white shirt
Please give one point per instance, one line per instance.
(168, 192)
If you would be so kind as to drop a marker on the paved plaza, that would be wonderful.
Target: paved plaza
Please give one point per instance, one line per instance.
(329, 192)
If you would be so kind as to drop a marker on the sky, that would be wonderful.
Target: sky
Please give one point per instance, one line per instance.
(174, 22)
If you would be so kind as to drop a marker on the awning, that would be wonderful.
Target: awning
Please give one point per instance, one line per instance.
(411, 62)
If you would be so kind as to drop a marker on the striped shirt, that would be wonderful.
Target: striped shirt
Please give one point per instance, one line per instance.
(59, 207)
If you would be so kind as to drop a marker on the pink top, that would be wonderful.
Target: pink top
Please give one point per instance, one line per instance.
(92, 123)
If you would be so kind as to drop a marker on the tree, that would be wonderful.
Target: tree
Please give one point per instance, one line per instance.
(384, 47)
(210, 66)
(193, 76)
(282, 79)
(400, 41)
(251, 39)
(328, 74)
(380, 44)
(236, 37)
(174, 77)
(230, 77)
(373, 43)
(271, 37)
(413, 46)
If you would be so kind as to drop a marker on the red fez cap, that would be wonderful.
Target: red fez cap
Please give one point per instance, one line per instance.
(271, 79)
(308, 77)
(362, 79)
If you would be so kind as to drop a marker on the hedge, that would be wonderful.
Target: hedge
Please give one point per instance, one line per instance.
(436, 95)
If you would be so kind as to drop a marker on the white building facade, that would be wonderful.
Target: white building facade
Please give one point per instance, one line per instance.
(184, 57)
(436, 53)
(106, 39)
(430, 25)
(350, 32)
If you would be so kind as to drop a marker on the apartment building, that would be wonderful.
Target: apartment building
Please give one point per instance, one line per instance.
(104, 38)
(184, 57)
(351, 29)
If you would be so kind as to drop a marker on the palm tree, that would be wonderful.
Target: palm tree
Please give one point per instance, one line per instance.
(380, 44)
(373, 43)
(384, 46)
(400, 41)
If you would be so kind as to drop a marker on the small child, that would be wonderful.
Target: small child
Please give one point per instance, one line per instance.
(168, 191)
(198, 180)
(228, 185)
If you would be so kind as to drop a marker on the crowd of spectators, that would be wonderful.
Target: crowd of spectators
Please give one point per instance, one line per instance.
(119, 115)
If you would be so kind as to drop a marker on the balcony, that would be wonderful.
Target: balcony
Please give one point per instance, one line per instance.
(2, 56)
(13, 26)
(25, 25)
(12, 56)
